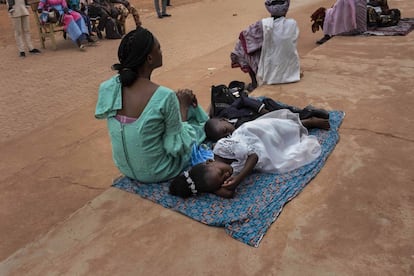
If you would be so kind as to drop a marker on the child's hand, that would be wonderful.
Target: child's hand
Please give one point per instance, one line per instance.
(231, 183)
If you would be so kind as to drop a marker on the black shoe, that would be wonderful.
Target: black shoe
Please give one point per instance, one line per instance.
(160, 16)
(90, 39)
(34, 51)
(323, 39)
(22, 54)
(166, 15)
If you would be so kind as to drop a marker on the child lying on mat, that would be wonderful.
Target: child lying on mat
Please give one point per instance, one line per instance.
(275, 142)
(244, 109)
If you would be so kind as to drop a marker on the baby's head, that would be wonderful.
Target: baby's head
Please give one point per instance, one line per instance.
(217, 128)
(205, 177)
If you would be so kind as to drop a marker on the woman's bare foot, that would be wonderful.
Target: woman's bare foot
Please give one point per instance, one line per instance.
(314, 122)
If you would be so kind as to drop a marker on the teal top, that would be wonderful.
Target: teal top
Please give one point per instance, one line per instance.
(157, 146)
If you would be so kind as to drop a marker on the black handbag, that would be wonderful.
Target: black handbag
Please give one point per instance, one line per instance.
(223, 96)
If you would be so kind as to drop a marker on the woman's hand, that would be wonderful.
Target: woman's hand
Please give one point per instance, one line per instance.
(186, 97)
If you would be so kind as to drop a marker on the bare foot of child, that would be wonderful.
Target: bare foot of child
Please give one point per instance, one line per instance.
(314, 122)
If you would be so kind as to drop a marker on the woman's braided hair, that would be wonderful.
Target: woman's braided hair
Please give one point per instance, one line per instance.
(132, 53)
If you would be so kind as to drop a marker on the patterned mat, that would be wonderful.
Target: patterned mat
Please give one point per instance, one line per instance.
(405, 26)
(258, 200)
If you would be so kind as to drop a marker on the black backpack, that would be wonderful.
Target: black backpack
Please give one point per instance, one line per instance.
(223, 96)
(112, 29)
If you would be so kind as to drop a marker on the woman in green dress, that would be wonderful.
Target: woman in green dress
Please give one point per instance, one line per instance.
(151, 127)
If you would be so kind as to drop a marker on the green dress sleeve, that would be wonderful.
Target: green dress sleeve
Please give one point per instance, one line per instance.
(180, 136)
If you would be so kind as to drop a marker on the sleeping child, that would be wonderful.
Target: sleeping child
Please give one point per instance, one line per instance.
(275, 142)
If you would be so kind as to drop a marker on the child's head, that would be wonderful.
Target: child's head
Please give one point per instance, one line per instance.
(205, 177)
(217, 128)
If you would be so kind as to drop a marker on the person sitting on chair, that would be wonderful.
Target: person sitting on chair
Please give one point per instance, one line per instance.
(72, 21)
(79, 7)
(106, 9)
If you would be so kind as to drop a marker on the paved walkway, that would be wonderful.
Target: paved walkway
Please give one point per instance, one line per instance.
(354, 218)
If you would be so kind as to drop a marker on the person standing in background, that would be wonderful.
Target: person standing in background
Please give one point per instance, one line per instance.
(19, 13)
(163, 11)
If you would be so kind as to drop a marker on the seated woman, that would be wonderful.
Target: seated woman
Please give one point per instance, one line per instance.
(275, 142)
(349, 17)
(266, 50)
(346, 17)
(104, 10)
(152, 128)
(73, 22)
(115, 9)
(77, 6)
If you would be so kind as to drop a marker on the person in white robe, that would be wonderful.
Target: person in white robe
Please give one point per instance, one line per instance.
(267, 49)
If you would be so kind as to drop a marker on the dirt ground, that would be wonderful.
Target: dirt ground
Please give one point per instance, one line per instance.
(172, 58)
(40, 93)
(56, 156)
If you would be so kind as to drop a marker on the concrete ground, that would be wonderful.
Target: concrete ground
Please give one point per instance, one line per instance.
(59, 216)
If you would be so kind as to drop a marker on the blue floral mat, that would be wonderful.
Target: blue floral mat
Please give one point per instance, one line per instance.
(258, 201)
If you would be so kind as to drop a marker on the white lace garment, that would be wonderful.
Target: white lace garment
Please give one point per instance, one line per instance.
(278, 138)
